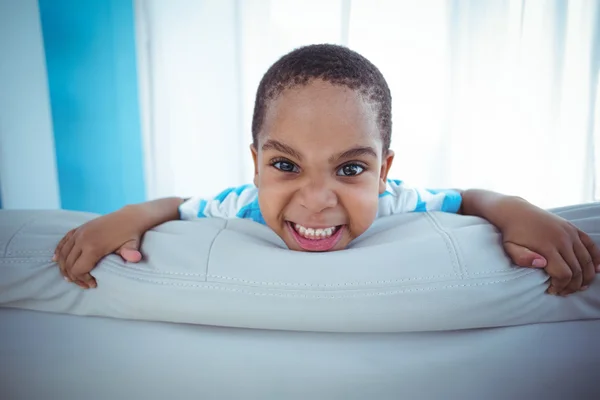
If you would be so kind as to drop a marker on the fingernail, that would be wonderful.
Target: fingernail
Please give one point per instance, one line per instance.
(552, 291)
(584, 288)
(67, 279)
(537, 263)
(54, 257)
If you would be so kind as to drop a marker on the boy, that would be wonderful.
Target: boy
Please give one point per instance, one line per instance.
(321, 134)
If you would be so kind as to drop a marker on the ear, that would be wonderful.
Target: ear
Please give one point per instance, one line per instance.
(385, 168)
(255, 160)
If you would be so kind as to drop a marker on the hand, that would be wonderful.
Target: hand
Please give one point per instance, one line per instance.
(82, 248)
(536, 238)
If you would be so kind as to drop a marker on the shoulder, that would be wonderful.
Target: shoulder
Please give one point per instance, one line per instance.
(226, 204)
(237, 192)
(400, 197)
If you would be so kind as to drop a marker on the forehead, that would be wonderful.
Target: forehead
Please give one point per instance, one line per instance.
(321, 116)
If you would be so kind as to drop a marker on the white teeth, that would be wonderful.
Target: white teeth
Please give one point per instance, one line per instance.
(311, 233)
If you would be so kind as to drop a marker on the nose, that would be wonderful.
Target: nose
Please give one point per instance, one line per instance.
(317, 196)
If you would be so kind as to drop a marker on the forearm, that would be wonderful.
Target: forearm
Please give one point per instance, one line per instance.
(491, 206)
(152, 213)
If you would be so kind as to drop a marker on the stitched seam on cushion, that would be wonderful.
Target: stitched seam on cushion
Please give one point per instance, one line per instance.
(462, 268)
(311, 296)
(450, 245)
(402, 280)
(31, 251)
(211, 247)
(6, 253)
(24, 260)
(462, 265)
(274, 283)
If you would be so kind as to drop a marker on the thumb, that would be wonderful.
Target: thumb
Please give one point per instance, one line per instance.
(130, 251)
(524, 257)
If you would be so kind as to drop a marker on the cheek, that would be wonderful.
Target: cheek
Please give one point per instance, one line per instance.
(361, 204)
(272, 198)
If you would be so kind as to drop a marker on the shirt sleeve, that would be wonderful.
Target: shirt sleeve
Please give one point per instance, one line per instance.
(401, 198)
(230, 203)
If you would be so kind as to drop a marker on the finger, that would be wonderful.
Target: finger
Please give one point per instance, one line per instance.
(80, 284)
(84, 265)
(524, 257)
(59, 247)
(130, 251)
(130, 255)
(592, 248)
(88, 280)
(559, 272)
(63, 255)
(63, 271)
(58, 250)
(585, 261)
(60, 244)
(66, 248)
(576, 273)
(74, 255)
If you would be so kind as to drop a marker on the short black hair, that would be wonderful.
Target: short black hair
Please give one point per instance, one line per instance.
(335, 64)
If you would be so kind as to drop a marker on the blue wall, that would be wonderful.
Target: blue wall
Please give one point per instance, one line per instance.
(92, 77)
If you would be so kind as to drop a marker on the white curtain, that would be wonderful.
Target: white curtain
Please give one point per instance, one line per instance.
(491, 94)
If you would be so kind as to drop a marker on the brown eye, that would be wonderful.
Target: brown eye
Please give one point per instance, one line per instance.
(350, 170)
(285, 166)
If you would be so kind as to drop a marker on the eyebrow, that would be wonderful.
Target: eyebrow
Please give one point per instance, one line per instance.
(284, 148)
(354, 152)
(359, 151)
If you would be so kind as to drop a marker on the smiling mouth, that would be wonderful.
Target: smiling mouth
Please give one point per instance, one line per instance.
(314, 233)
(316, 239)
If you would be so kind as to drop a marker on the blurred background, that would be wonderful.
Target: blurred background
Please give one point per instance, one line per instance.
(109, 102)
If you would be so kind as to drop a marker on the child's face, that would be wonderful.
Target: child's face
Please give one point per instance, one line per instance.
(319, 166)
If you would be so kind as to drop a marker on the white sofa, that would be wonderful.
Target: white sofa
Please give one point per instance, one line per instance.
(422, 306)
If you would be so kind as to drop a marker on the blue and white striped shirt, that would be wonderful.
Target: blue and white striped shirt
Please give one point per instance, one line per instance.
(242, 202)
